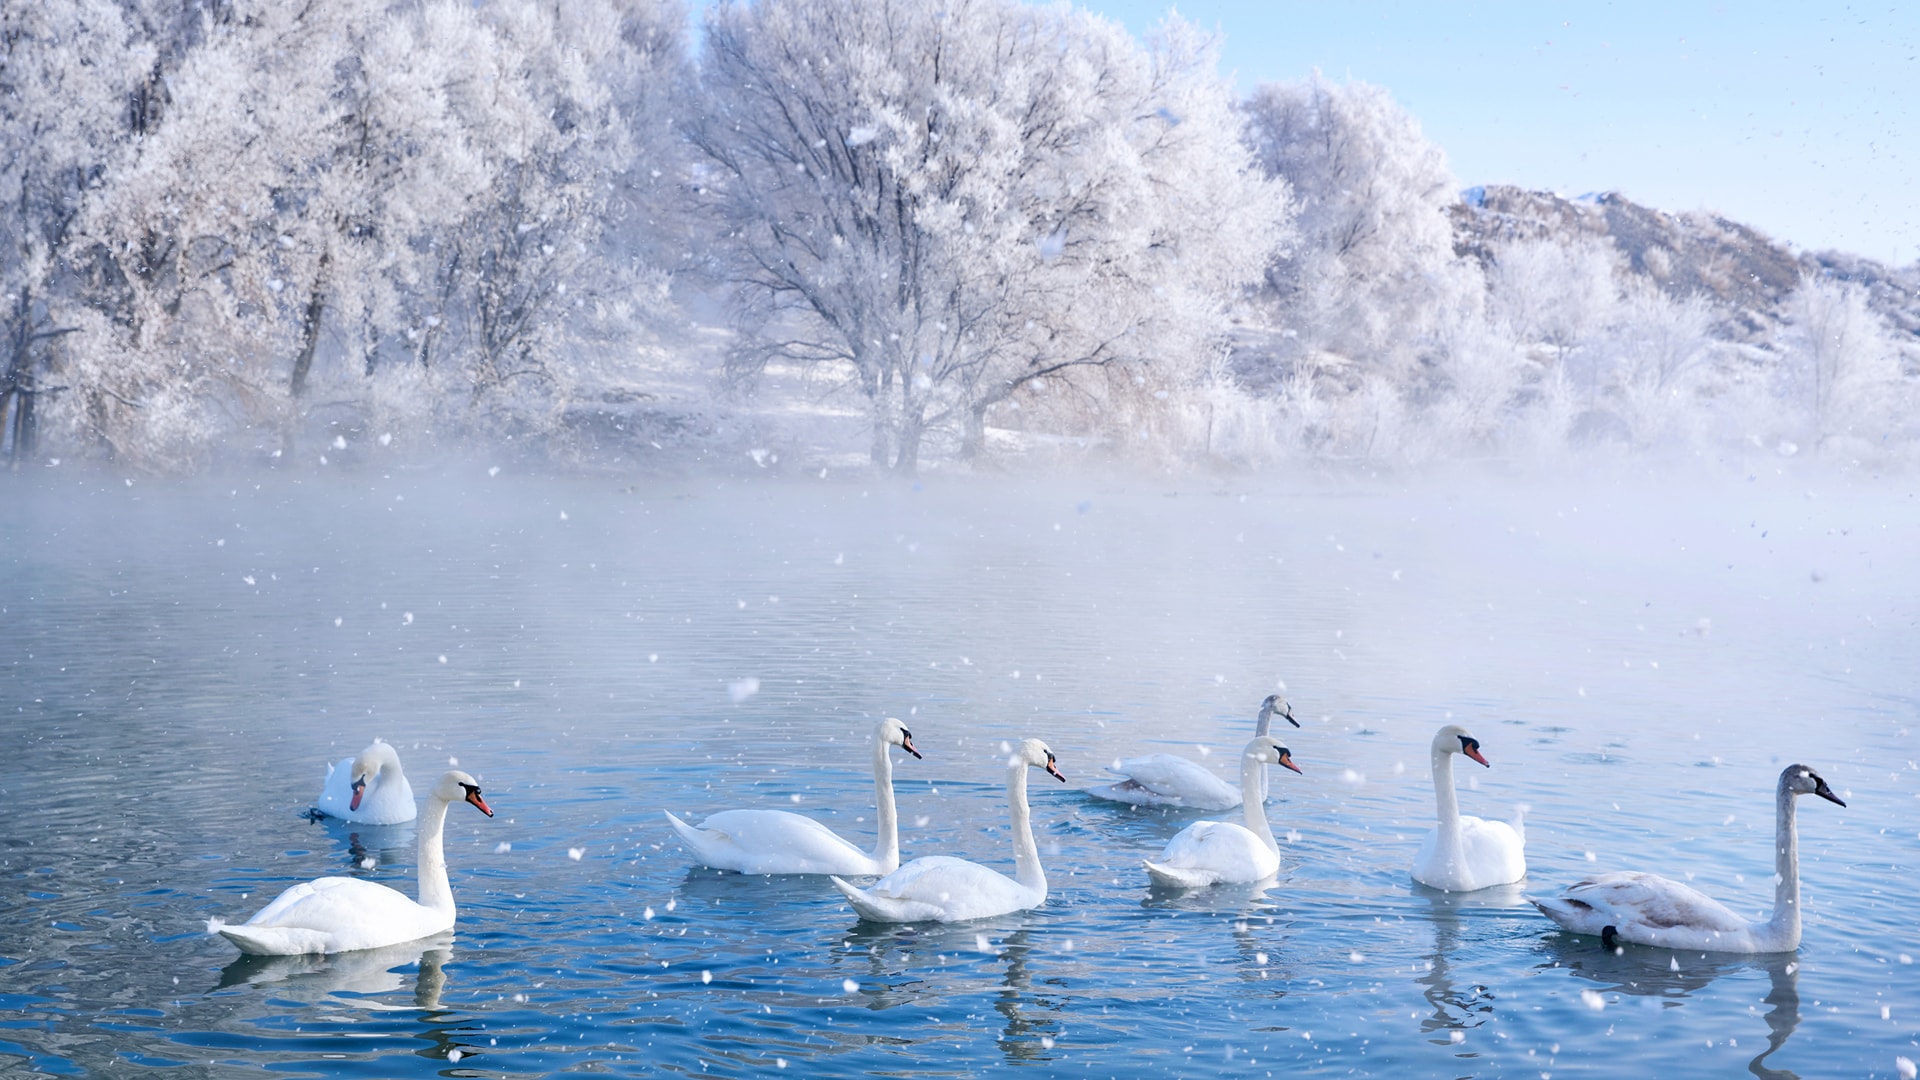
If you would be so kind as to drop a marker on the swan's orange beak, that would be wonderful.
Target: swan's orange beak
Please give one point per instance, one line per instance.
(1287, 760)
(1053, 770)
(906, 743)
(473, 796)
(359, 789)
(1474, 753)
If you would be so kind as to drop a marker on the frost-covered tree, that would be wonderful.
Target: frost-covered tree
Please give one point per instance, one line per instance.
(1840, 366)
(1476, 377)
(72, 76)
(572, 108)
(955, 201)
(434, 184)
(1372, 274)
(1557, 292)
(1658, 347)
(301, 152)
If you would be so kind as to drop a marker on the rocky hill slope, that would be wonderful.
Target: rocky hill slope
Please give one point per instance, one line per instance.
(1745, 273)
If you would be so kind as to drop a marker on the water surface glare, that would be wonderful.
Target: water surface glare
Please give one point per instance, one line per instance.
(183, 661)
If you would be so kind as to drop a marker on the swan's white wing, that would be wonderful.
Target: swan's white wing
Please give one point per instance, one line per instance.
(387, 801)
(1647, 900)
(773, 842)
(1494, 850)
(1166, 780)
(944, 889)
(1211, 851)
(337, 914)
(336, 793)
(330, 902)
(1490, 853)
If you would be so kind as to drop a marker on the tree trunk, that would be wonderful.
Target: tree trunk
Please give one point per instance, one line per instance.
(973, 439)
(16, 387)
(310, 330)
(880, 404)
(906, 461)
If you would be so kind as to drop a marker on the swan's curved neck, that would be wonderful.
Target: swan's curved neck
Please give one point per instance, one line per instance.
(1262, 727)
(1026, 855)
(1253, 805)
(1784, 927)
(1444, 799)
(887, 848)
(435, 892)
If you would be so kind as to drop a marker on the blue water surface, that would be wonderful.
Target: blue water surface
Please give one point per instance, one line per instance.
(182, 660)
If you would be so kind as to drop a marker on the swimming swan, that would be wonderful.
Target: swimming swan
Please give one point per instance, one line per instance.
(1648, 909)
(341, 914)
(1167, 780)
(780, 842)
(940, 888)
(1208, 852)
(1464, 852)
(369, 789)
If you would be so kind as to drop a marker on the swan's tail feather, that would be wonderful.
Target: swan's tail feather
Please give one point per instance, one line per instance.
(861, 902)
(1570, 915)
(889, 909)
(270, 940)
(695, 838)
(1520, 820)
(1175, 876)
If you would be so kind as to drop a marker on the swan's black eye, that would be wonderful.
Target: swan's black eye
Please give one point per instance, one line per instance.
(1469, 743)
(905, 734)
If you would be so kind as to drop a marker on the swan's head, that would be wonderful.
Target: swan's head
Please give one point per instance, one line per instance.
(457, 786)
(1454, 739)
(1275, 704)
(1267, 749)
(1802, 780)
(894, 732)
(372, 762)
(1035, 752)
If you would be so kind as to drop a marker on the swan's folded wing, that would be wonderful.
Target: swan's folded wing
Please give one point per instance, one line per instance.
(935, 877)
(1210, 843)
(331, 902)
(336, 791)
(1652, 901)
(772, 842)
(1176, 778)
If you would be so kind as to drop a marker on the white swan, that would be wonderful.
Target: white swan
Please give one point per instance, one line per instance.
(1166, 780)
(369, 789)
(1464, 852)
(779, 842)
(940, 888)
(341, 914)
(1648, 909)
(1209, 852)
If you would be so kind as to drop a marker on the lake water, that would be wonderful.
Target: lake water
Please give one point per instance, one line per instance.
(182, 660)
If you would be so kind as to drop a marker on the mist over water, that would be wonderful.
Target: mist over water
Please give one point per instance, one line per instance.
(1638, 661)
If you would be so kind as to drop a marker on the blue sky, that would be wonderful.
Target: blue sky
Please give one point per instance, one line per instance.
(1796, 119)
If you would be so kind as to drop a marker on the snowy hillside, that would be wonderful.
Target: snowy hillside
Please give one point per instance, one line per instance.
(1747, 275)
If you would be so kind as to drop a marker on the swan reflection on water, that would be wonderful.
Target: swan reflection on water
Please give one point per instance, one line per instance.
(365, 973)
(893, 955)
(364, 980)
(1458, 1008)
(1670, 976)
(385, 845)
